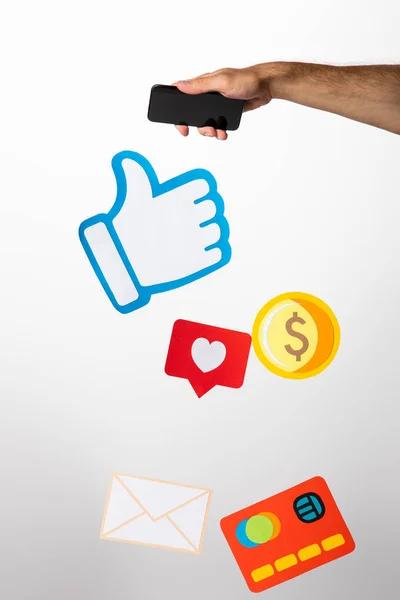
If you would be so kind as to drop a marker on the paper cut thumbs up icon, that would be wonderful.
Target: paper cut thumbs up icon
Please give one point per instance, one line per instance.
(157, 236)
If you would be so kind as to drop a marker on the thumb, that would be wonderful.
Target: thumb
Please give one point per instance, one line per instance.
(203, 84)
(134, 175)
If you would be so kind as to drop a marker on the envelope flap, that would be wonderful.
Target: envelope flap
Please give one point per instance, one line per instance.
(121, 507)
(191, 519)
(159, 497)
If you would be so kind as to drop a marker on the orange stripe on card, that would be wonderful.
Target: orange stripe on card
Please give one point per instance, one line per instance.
(309, 552)
(333, 542)
(262, 573)
(285, 562)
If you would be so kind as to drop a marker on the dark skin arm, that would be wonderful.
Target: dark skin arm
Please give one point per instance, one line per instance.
(368, 94)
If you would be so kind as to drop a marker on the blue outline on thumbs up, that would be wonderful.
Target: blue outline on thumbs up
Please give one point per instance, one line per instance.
(157, 188)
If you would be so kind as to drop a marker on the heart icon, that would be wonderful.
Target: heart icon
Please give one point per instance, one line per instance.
(208, 356)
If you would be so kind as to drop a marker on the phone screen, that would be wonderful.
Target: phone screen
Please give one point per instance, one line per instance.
(170, 105)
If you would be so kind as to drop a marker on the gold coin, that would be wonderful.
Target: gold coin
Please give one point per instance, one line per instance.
(296, 335)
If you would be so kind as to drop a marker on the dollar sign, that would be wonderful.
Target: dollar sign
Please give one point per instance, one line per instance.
(297, 353)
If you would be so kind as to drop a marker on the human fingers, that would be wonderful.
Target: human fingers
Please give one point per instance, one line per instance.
(207, 131)
(183, 130)
(222, 135)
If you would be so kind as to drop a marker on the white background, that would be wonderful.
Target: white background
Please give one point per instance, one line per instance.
(313, 205)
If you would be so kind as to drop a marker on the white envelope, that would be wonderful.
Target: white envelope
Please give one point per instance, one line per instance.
(155, 513)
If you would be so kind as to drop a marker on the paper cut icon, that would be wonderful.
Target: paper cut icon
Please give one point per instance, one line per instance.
(287, 535)
(156, 513)
(207, 356)
(296, 335)
(157, 236)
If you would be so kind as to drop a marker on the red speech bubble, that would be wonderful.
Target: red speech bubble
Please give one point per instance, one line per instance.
(207, 356)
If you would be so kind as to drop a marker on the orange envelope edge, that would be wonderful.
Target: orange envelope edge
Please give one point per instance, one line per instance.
(166, 515)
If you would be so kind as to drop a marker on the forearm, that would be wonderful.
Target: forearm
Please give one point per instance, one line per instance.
(369, 94)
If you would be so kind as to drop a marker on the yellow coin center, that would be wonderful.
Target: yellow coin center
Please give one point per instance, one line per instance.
(288, 336)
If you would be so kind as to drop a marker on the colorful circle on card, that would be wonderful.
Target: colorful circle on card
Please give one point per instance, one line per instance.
(257, 530)
(296, 335)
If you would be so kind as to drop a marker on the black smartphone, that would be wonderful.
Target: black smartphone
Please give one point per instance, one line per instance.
(170, 105)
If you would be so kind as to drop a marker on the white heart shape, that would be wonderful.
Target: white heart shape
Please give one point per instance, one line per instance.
(208, 356)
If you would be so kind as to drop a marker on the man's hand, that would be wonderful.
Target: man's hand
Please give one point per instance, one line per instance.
(247, 84)
(368, 94)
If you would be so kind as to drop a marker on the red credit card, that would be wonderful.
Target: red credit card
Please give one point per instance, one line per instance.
(287, 535)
